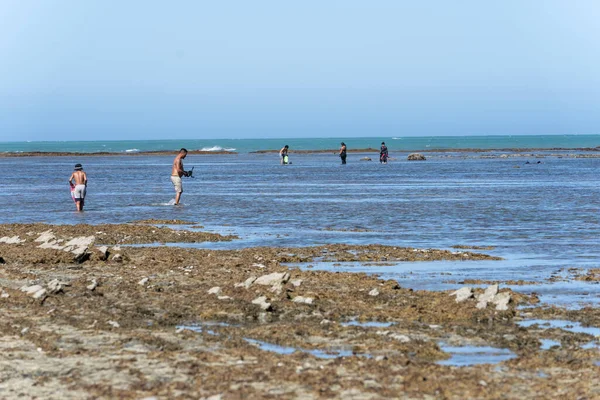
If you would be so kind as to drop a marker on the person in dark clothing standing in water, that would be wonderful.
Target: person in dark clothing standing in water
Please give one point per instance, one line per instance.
(343, 153)
(383, 153)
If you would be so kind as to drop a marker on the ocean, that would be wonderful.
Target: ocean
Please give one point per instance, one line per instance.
(397, 143)
(543, 218)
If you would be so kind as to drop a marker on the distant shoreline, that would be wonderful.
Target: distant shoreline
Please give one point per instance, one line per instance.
(291, 151)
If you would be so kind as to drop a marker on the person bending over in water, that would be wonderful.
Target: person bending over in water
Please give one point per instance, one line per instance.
(283, 153)
(80, 179)
(343, 152)
(383, 153)
(177, 172)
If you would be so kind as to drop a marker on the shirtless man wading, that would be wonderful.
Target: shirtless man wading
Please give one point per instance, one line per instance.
(80, 184)
(177, 172)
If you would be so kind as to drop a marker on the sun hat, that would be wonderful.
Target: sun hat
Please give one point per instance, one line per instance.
(78, 167)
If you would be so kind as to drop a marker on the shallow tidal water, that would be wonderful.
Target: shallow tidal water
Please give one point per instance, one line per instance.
(542, 218)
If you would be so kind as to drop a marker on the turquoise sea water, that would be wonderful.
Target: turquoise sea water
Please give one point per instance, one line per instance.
(396, 143)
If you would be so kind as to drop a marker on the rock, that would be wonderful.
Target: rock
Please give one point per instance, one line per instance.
(223, 297)
(79, 245)
(416, 157)
(325, 322)
(462, 294)
(92, 285)
(143, 281)
(55, 286)
(273, 279)
(371, 384)
(247, 283)
(102, 252)
(374, 292)
(501, 301)
(262, 302)
(31, 289)
(487, 296)
(3, 294)
(114, 324)
(45, 237)
(39, 294)
(400, 338)
(365, 159)
(257, 265)
(214, 290)
(11, 240)
(296, 282)
(277, 288)
(117, 258)
(301, 299)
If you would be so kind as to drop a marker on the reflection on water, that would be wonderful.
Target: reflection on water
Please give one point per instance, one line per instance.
(471, 355)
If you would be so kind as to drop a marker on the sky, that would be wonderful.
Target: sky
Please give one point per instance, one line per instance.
(151, 69)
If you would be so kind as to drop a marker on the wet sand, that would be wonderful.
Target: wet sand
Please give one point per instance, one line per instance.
(109, 320)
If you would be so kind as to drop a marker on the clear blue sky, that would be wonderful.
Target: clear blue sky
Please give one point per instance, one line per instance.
(145, 69)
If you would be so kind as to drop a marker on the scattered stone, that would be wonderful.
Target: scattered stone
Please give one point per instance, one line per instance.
(117, 258)
(247, 283)
(214, 290)
(400, 338)
(374, 292)
(501, 301)
(3, 294)
(223, 297)
(31, 289)
(24, 331)
(416, 157)
(92, 285)
(365, 159)
(143, 281)
(11, 240)
(273, 279)
(301, 299)
(258, 265)
(262, 302)
(103, 252)
(39, 294)
(114, 324)
(79, 245)
(325, 322)
(55, 286)
(45, 237)
(462, 294)
(487, 296)
(296, 282)
(277, 288)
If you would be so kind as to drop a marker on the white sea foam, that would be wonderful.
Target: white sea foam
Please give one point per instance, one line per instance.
(132, 151)
(216, 148)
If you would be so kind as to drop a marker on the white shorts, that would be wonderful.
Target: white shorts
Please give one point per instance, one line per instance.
(79, 192)
(177, 184)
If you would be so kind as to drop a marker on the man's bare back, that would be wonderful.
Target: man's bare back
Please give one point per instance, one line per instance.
(79, 177)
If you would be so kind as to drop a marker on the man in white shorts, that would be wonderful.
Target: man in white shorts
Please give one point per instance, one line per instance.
(80, 179)
(177, 172)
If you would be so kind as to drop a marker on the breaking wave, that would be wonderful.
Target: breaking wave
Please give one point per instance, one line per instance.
(217, 148)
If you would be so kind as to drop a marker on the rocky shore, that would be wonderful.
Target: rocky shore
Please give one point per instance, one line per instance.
(84, 314)
(591, 152)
